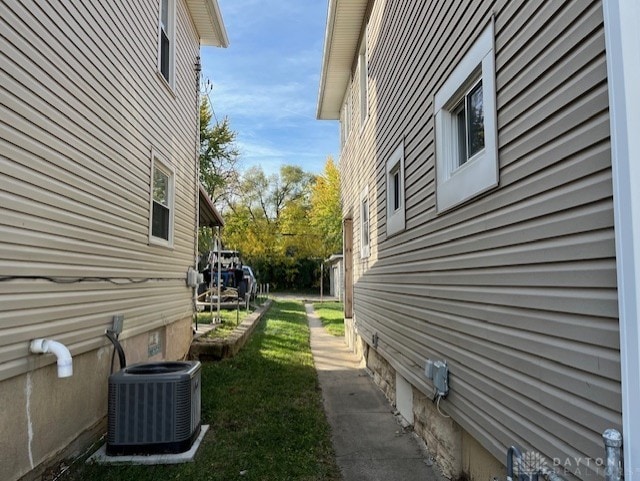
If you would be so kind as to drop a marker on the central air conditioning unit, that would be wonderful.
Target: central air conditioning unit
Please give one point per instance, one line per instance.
(154, 408)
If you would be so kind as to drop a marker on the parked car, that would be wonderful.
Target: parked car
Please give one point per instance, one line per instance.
(252, 284)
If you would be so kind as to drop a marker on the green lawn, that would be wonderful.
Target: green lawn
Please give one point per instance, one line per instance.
(265, 411)
(332, 316)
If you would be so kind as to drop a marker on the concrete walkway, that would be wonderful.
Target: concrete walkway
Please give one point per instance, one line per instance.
(303, 297)
(369, 442)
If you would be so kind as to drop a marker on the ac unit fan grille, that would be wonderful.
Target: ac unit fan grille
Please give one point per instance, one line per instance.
(145, 413)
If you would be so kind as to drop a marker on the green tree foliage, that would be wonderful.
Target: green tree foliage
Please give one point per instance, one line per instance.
(286, 224)
(218, 155)
(326, 208)
(267, 209)
(268, 222)
(218, 165)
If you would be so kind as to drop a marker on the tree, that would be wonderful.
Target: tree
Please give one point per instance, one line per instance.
(267, 196)
(268, 222)
(270, 206)
(219, 155)
(326, 208)
(291, 186)
(218, 162)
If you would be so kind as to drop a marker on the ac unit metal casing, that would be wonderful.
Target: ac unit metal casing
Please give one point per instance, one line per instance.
(154, 408)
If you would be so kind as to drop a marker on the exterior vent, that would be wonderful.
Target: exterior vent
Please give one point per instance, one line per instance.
(154, 408)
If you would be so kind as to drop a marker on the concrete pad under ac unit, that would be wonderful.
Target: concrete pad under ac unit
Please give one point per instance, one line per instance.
(101, 457)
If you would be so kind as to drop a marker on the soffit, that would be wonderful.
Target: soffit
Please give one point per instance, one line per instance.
(342, 35)
(207, 19)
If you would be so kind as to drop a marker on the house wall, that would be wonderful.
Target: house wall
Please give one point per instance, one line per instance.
(82, 105)
(517, 288)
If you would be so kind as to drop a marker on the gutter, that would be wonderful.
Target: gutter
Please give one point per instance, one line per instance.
(216, 20)
(326, 54)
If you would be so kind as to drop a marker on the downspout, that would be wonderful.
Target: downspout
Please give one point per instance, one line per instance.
(219, 279)
(198, 69)
(621, 19)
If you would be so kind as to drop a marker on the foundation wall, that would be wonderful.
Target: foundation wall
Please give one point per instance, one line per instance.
(458, 456)
(45, 419)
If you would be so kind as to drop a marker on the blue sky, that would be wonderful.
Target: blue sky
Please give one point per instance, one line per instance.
(266, 82)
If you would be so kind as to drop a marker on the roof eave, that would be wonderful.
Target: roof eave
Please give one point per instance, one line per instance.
(209, 215)
(207, 19)
(342, 35)
(328, 34)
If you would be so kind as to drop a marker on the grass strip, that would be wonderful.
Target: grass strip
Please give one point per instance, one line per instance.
(229, 323)
(265, 411)
(332, 316)
(228, 316)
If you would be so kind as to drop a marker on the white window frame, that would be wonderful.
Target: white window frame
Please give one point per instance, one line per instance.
(365, 223)
(343, 125)
(171, 36)
(456, 184)
(165, 167)
(363, 74)
(347, 114)
(395, 217)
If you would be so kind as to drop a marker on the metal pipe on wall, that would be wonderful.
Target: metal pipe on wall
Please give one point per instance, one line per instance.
(613, 455)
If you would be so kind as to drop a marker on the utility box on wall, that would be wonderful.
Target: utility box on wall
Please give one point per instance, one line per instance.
(438, 372)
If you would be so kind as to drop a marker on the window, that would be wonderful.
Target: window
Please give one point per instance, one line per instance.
(365, 236)
(343, 126)
(345, 117)
(465, 124)
(395, 186)
(162, 201)
(469, 125)
(363, 73)
(395, 191)
(166, 42)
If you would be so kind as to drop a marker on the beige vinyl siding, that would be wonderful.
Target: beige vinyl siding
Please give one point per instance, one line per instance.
(82, 105)
(360, 160)
(516, 289)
